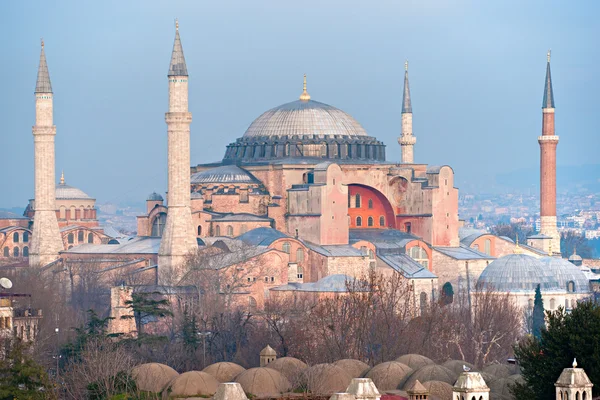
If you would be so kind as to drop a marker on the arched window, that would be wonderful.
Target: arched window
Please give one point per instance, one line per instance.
(252, 302)
(584, 395)
(300, 274)
(570, 286)
(285, 247)
(158, 225)
(577, 395)
(447, 293)
(199, 230)
(16, 237)
(358, 221)
(218, 231)
(423, 302)
(370, 221)
(71, 238)
(25, 237)
(419, 254)
(370, 203)
(299, 255)
(229, 230)
(552, 304)
(90, 237)
(25, 251)
(16, 252)
(80, 236)
(382, 221)
(357, 200)
(6, 252)
(407, 227)
(488, 246)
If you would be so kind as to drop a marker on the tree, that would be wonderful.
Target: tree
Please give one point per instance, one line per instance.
(539, 323)
(568, 336)
(146, 306)
(20, 376)
(513, 231)
(570, 240)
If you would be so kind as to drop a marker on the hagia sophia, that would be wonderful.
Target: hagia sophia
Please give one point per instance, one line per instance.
(304, 200)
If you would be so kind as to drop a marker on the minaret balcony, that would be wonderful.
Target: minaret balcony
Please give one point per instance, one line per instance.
(547, 138)
(407, 140)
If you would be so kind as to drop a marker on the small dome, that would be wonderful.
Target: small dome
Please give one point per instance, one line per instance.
(566, 272)
(66, 192)
(439, 390)
(226, 174)
(192, 383)
(153, 377)
(517, 272)
(325, 379)
(304, 118)
(497, 370)
(263, 382)
(501, 387)
(155, 197)
(289, 367)
(389, 375)
(196, 195)
(456, 366)
(575, 257)
(415, 361)
(354, 368)
(432, 372)
(224, 371)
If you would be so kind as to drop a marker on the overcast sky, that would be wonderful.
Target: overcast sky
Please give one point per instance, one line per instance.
(476, 73)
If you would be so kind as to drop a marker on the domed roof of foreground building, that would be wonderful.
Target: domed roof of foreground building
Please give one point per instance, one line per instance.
(354, 368)
(498, 370)
(415, 361)
(432, 373)
(517, 273)
(153, 377)
(66, 192)
(192, 383)
(325, 379)
(263, 382)
(389, 375)
(439, 390)
(226, 174)
(566, 272)
(224, 371)
(290, 367)
(456, 366)
(501, 387)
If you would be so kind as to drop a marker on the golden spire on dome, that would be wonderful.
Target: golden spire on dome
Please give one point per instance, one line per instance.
(518, 249)
(62, 177)
(304, 96)
(548, 55)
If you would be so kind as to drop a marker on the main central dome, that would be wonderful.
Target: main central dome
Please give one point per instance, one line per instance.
(305, 117)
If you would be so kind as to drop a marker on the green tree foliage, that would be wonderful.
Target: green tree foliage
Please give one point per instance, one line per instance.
(95, 327)
(146, 306)
(190, 330)
(20, 376)
(568, 336)
(569, 241)
(539, 323)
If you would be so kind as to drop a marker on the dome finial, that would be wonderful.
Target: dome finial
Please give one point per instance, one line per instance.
(575, 250)
(518, 249)
(548, 55)
(62, 177)
(304, 96)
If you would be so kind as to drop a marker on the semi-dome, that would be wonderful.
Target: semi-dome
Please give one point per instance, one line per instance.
(227, 174)
(569, 276)
(517, 273)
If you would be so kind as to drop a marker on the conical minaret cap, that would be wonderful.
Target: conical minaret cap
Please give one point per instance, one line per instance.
(177, 67)
(406, 105)
(43, 84)
(548, 101)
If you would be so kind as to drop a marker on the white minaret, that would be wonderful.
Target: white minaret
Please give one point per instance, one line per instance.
(407, 140)
(46, 241)
(178, 239)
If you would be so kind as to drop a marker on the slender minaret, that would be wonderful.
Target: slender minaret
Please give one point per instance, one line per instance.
(178, 238)
(548, 142)
(46, 241)
(407, 140)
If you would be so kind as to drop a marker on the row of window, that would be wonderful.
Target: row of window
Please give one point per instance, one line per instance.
(17, 237)
(358, 202)
(287, 248)
(370, 221)
(16, 252)
(80, 237)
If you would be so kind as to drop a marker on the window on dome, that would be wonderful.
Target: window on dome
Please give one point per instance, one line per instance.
(370, 203)
(158, 225)
(16, 237)
(571, 287)
(358, 221)
(285, 247)
(382, 221)
(16, 252)
(357, 200)
(25, 251)
(71, 238)
(80, 236)
(370, 221)
(299, 255)
(90, 237)
(25, 237)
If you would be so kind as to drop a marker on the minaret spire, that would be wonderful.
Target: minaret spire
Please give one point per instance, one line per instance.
(43, 84)
(177, 66)
(407, 140)
(548, 101)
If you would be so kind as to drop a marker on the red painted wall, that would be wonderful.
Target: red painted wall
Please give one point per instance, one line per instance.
(381, 207)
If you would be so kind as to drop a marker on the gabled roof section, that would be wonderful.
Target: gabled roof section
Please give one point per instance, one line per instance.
(408, 267)
(463, 253)
(261, 236)
(43, 84)
(386, 240)
(548, 101)
(177, 67)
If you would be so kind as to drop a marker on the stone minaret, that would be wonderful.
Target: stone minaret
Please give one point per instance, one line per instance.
(548, 142)
(46, 241)
(178, 238)
(407, 140)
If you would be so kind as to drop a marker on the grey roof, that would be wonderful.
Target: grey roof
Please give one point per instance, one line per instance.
(330, 283)
(575, 257)
(571, 377)
(242, 254)
(539, 236)
(155, 197)
(468, 240)
(463, 252)
(305, 118)
(434, 169)
(408, 267)
(241, 217)
(224, 174)
(386, 240)
(10, 215)
(566, 272)
(66, 192)
(137, 245)
(548, 101)
(261, 236)
(406, 105)
(339, 250)
(43, 84)
(464, 232)
(177, 66)
(113, 233)
(518, 273)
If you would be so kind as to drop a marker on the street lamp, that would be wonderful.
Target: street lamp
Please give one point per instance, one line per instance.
(204, 335)
(57, 350)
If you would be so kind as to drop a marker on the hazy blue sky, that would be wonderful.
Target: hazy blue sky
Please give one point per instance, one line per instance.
(476, 73)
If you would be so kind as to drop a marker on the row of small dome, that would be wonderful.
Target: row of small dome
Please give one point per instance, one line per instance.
(286, 374)
(522, 273)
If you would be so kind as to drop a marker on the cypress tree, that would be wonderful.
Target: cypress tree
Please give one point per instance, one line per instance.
(539, 323)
